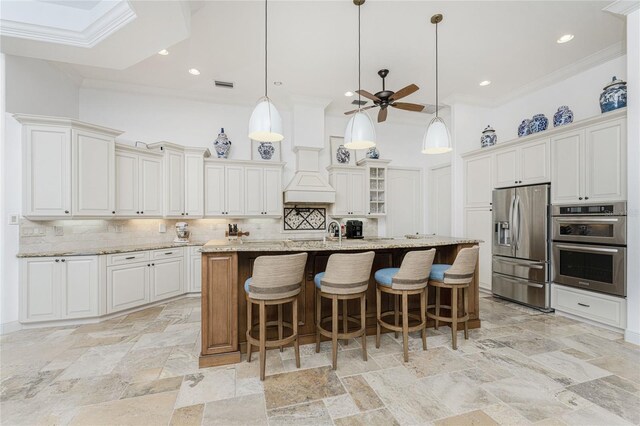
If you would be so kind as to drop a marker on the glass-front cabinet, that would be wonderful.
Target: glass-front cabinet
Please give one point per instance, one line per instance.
(376, 173)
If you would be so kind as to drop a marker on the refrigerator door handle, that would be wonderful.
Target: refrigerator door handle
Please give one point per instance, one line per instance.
(522, 282)
(518, 221)
(511, 226)
(523, 264)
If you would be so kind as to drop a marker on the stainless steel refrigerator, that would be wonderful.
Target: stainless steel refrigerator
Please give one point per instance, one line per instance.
(521, 245)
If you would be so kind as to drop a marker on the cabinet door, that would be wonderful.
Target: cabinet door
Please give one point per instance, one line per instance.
(478, 226)
(534, 163)
(94, 181)
(357, 194)
(195, 274)
(478, 181)
(127, 286)
(340, 182)
(47, 171)
(167, 278)
(214, 186)
(173, 184)
(273, 191)
(566, 167)
(234, 196)
(40, 289)
(606, 162)
(254, 191)
(80, 286)
(507, 168)
(194, 185)
(126, 184)
(150, 186)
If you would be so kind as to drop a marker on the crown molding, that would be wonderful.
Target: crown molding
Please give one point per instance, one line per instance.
(622, 7)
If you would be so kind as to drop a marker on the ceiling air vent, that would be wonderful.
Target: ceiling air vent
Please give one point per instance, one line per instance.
(225, 84)
(357, 102)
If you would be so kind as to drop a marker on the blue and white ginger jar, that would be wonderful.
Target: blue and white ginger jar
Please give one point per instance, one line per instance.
(538, 123)
(489, 137)
(266, 150)
(614, 95)
(563, 116)
(222, 145)
(343, 155)
(373, 153)
(523, 128)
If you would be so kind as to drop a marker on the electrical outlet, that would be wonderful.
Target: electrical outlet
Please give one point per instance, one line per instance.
(162, 227)
(58, 231)
(14, 219)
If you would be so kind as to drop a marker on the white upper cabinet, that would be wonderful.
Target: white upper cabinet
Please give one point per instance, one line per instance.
(263, 191)
(589, 165)
(478, 181)
(173, 183)
(273, 191)
(234, 194)
(507, 173)
(350, 185)
(68, 166)
(139, 185)
(254, 190)
(126, 183)
(214, 183)
(523, 165)
(150, 186)
(194, 181)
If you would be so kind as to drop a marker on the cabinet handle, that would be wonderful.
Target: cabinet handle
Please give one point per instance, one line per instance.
(168, 253)
(129, 258)
(585, 305)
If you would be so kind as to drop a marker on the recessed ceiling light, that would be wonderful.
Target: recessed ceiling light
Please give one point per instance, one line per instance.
(277, 83)
(485, 83)
(349, 93)
(565, 38)
(163, 52)
(194, 71)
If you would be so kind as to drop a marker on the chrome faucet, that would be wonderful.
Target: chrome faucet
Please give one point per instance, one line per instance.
(339, 230)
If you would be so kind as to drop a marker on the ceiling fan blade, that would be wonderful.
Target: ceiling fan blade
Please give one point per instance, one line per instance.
(407, 106)
(405, 91)
(382, 115)
(368, 95)
(361, 109)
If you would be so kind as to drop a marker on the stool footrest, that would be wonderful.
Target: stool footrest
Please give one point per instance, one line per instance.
(393, 327)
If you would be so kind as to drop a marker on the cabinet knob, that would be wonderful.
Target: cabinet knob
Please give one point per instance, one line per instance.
(137, 212)
(57, 260)
(66, 211)
(579, 198)
(153, 264)
(182, 214)
(148, 264)
(113, 212)
(187, 214)
(141, 212)
(64, 260)
(586, 198)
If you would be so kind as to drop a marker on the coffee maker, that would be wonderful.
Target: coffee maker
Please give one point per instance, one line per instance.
(354, 229)
(182, 233)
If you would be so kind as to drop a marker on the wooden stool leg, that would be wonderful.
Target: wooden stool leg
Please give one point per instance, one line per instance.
(318, 319)
(363, 325)
(396, 302)
(280, 332)
(296, 343)
(345, 323)
(378, 310)
(423, 318)
(437, 306)
(465, 291)
(405, 325)
(263, 339)
(334, 331)
(249, 323)
(454, 318)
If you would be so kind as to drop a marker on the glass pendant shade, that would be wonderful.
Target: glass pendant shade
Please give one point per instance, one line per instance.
(436, 138)
(265, 124)
(360, 133)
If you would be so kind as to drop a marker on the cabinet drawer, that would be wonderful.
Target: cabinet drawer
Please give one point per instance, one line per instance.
(592, 306)
(195, 250)
(125, 258)
(167, 253)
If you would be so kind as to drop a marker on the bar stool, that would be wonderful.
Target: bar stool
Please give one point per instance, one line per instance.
(409, 279)
(454, 277)
(346, 278)
(276, 280)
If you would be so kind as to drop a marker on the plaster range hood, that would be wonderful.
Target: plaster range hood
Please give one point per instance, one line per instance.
(308, 186)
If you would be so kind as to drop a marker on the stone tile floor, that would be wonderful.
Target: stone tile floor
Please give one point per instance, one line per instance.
(522, 367)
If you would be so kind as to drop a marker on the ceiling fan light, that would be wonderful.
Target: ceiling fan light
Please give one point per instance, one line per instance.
(436, 139)
(265, 124)
(360, 133)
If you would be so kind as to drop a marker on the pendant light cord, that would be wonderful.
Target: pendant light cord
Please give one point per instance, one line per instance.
(265, 49)
(436, 69)
(359, 99)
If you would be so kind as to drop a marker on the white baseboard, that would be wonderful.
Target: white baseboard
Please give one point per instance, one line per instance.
(632, 337)
(10, 327)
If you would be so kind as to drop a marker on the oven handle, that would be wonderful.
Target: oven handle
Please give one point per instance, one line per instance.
(586, 221)
(523, 282)
(526, 265)
(591, 249)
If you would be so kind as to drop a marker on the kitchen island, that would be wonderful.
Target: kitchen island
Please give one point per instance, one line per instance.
(226, 265)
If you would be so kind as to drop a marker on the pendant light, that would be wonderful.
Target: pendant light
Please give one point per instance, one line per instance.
(436, 139)
(265, 124)
(360, 133)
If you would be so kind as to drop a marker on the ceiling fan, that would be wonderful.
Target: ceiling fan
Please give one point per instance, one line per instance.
(386, 98)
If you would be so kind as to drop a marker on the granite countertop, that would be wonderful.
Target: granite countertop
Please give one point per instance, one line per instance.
(110, 250)
(333, 245)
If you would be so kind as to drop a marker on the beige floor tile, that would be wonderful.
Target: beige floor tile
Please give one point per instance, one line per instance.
(472, 418)
(311, 413)
(380, 417)
(458, 392)
(576, 369)
(301, 386)
(208, 385)
(435, 361)
(362, 394)
(242, 410)
(611, 398)
(156, 386)
(341, 406)
(190, 415)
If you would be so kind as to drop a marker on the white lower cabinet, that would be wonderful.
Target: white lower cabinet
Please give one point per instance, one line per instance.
(81, 282)
(194, 270)
(167, 278)
(477, 225)
(608, 310)
(127, 286)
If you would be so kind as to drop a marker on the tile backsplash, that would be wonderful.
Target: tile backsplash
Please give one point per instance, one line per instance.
(78, 234)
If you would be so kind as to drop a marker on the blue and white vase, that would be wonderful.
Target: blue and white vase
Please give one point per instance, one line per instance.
(563, 116)
(523, 128)
(538, 123)
(373, 153)
(614, 95)
(343, 155)
(488, 138)
(266, 150)
(222, 145)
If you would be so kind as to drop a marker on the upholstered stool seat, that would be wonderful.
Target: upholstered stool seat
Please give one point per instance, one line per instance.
(456, 277)
(346, 277)
(276, 280)
(409, 279)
